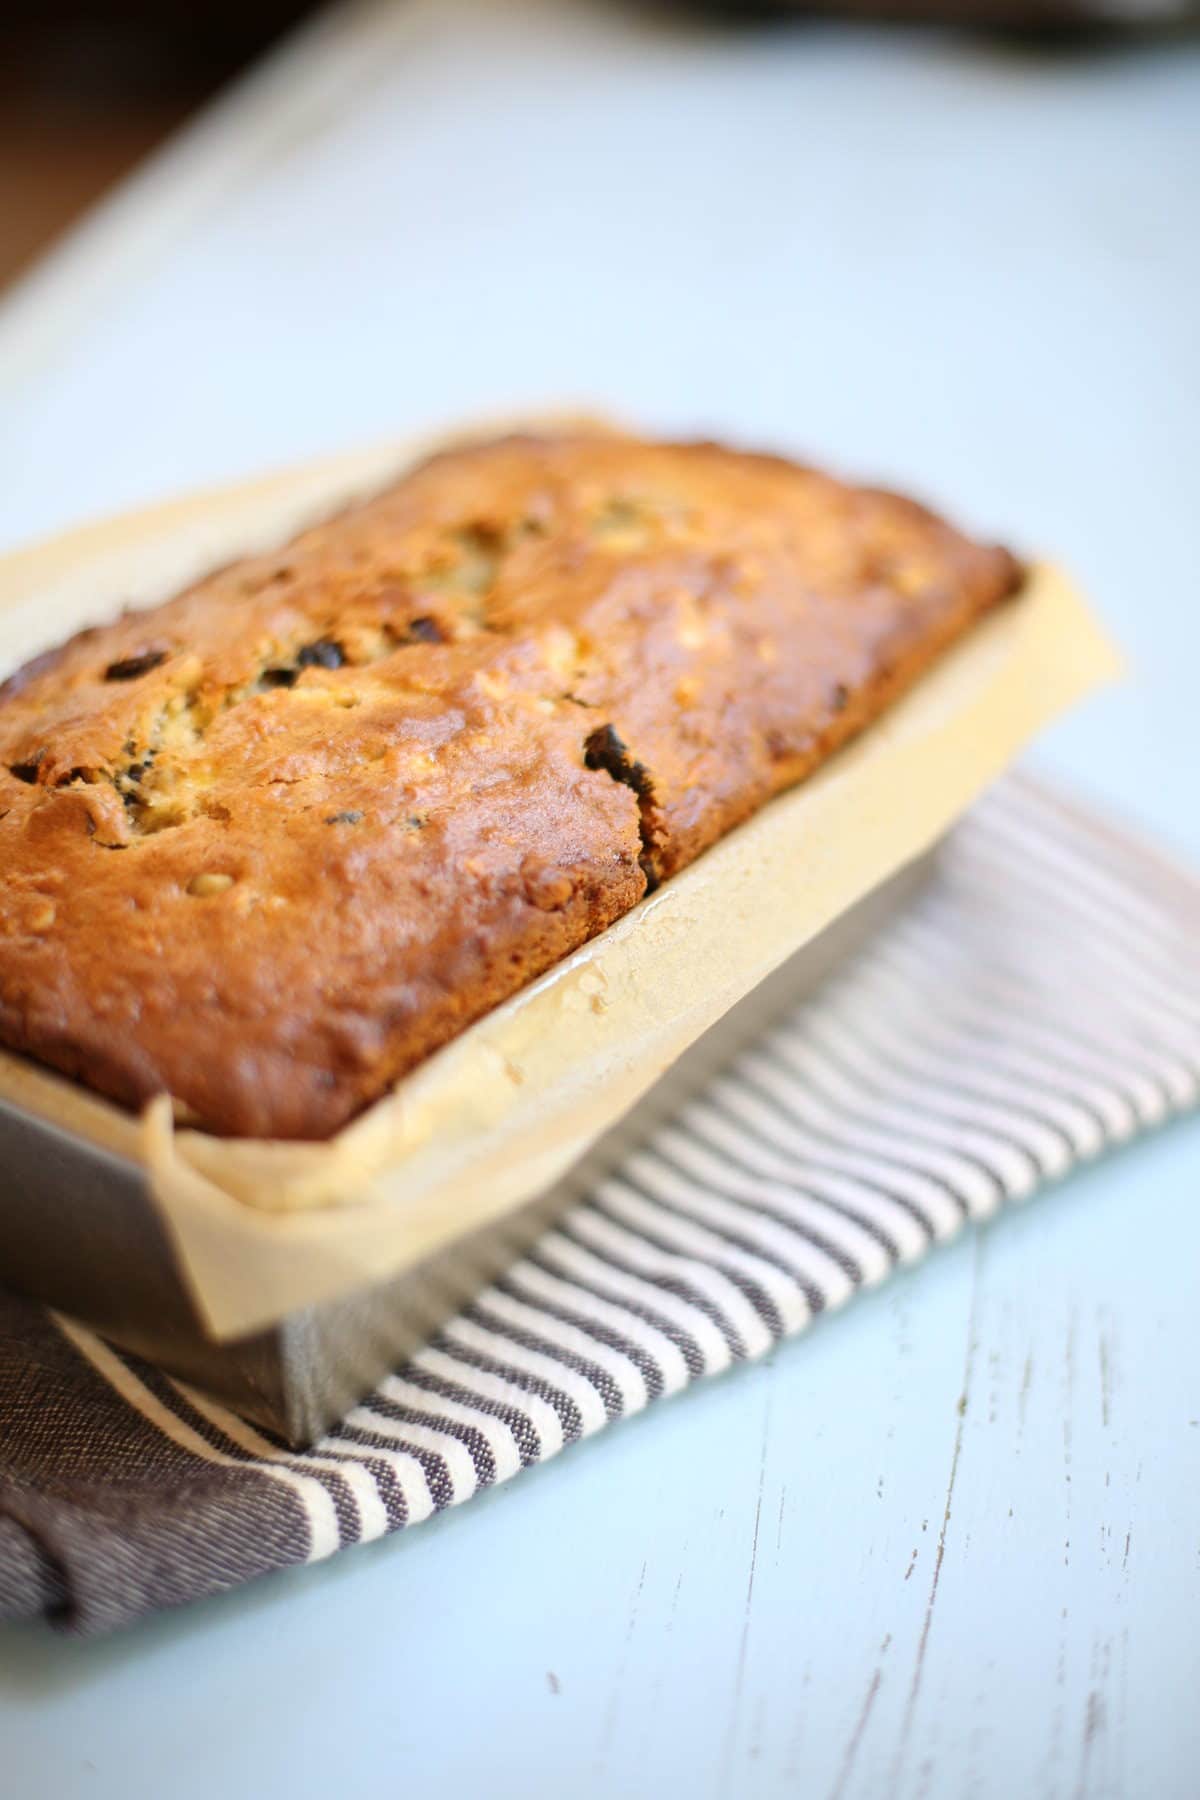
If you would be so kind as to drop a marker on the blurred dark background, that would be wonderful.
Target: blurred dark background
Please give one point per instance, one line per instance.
(87, 90)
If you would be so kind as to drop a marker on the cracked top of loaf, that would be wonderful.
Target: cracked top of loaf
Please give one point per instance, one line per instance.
(269, 844)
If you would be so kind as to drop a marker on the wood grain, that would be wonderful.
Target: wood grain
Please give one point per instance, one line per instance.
(970, 268)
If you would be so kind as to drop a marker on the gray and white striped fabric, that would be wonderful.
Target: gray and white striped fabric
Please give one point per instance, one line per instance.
(1039, 1002)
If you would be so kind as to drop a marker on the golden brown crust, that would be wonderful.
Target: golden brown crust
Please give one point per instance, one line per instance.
(270, 844)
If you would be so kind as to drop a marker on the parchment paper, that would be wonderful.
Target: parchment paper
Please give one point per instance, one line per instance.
(263, 1229)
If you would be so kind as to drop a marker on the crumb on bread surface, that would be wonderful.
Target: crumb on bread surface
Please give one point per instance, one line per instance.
(271, 843)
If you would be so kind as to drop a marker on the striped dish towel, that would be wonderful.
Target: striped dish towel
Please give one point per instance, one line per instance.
(1038, 1002)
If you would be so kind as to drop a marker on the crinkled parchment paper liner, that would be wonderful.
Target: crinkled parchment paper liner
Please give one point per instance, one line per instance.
(263, 1229)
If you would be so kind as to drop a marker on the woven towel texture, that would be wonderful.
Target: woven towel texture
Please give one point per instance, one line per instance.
(1037, 1004)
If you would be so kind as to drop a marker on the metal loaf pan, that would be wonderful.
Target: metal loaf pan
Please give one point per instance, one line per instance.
(80, 1232)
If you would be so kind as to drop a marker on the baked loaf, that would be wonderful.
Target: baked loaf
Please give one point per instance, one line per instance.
(268, 845)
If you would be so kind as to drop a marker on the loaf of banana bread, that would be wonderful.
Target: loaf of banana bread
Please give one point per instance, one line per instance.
(269, 844)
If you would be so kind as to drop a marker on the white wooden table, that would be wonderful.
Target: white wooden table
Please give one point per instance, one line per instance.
(948, 1544)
